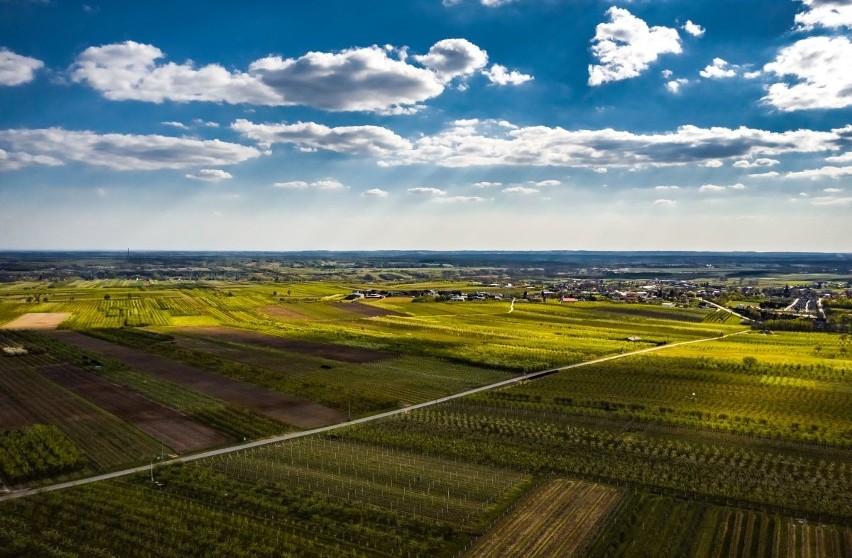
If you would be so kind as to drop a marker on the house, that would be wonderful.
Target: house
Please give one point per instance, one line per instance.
(568, 299)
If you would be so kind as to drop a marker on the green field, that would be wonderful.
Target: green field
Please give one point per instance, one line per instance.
(737, 445)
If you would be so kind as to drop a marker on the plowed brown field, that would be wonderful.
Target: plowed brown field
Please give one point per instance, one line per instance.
(287, 409)
(158, 421)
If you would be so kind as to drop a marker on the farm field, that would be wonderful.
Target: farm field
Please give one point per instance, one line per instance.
(290, 410)
(38, 320)
(318, 497)
(106, 440)
(792, 478)
(649, 525)
(735, 447)
(158, 421)
(772, 386)
(557, 520)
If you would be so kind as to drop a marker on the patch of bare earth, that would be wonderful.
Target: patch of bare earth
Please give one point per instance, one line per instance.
(285, 408)
(38, 320)
(339, 353)
(365, 310)
(285, 313)
(162, 423)
(557, 520)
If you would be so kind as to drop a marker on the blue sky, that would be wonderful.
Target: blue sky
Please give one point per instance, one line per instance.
(426, 124)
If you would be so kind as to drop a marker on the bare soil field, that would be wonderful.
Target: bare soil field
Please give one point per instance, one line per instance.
(158, 421)
(37, 320)
(557, 520)
(287, 409)
(13, 414)
(339, 353)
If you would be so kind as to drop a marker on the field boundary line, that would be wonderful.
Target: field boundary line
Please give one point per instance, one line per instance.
(23, 493)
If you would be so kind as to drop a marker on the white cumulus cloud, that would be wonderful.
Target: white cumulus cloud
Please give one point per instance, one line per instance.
(424, 191)
(451, 58)
(501, 75)
(845, 158)
(693, 29)
(757, 163)
(374, 78)
(125, 151)
(823, 172)
(16, 69)
(625, 46)
(718, 69)
(820, 68)
(375, 193)
(353, 140)
(675, 85)
(521, 190)
(210, 175)
(714, 188)
(326, 184)
(665, 202)
(830, 14)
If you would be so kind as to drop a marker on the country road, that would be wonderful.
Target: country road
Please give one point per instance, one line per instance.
(728, 310)
(293, 435)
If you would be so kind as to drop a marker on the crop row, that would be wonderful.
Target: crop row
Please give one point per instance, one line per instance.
(544, 442)
(107, 440)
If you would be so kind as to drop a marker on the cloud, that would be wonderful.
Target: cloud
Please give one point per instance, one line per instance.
(501, 75)
(820, 66)
(666, 188)
(210, 175)
(375, 193)
(832, 190)
(352, 140)
(520, 190)
(831, 200)
(845, 158)
(452, 58)
(713, 164)
(665, 202)
(547, 183)
(757, 163)
(718, 69)
(626, 46)
(175, 124)
(487, 184)
(358, 79)
(713, 188)
(469, 143)
(327, 184)
(693, 29)
(16, 69)
(480, 143)
(830, 14)
(770, 174)
(376, 79)
(824, 172)
(125, 151)
(17, 160)
(130, 71)
(420, 191)
(460, 199)
(674, 85)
